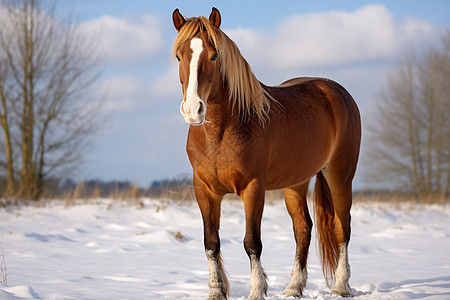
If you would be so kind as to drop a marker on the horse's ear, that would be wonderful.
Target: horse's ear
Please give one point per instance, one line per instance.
(178, 19)
(215, 18)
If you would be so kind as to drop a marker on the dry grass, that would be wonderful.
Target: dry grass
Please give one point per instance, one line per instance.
(181, 192)
(397, 198)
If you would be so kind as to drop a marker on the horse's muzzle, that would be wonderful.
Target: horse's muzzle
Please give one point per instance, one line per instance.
(193, 111)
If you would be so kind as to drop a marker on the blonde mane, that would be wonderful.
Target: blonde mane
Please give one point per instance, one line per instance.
(245, 90)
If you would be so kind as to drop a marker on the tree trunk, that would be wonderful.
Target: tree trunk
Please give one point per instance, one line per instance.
(29, 184)
(11, 183)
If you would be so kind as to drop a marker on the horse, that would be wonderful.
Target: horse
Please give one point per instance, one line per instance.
(245, 138)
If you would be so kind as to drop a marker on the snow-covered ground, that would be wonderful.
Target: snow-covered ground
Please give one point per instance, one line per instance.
(111, 250)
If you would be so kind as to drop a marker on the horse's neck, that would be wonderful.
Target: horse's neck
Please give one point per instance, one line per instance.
(220, 115)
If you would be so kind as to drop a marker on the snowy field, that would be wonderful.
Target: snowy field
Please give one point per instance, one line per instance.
(110, 250)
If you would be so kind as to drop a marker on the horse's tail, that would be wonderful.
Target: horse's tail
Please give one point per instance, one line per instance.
(324, 217)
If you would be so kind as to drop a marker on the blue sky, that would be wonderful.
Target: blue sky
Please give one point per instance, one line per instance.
(352, 42)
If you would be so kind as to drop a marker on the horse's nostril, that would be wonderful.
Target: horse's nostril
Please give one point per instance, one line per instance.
(201, 109)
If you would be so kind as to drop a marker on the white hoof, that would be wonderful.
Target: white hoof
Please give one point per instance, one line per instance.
(294, 292)
(297, 282)
(214, 296)
(342, 290)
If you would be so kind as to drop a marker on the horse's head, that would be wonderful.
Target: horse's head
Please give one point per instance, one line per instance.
(199, 68)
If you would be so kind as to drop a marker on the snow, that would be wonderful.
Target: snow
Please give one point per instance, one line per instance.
(112, 250)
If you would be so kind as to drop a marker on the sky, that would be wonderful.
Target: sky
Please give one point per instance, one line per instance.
(352, 42)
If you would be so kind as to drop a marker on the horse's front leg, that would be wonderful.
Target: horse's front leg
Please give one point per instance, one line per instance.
(253, 197)
(209, 205)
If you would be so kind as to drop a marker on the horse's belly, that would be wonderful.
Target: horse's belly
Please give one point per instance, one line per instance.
(298, 162)
(290, 175)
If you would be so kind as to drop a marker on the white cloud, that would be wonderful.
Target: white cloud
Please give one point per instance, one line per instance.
(122, 40)
(168, 84)
(122, 93)
(415, 30)
(128, 93)
(332, 38)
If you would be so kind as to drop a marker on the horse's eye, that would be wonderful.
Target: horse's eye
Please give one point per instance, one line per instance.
(177, 57)
(214, 57)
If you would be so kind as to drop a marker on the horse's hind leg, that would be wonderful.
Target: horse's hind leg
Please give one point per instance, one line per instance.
(209, 205)
(296, 205)
(341, 191)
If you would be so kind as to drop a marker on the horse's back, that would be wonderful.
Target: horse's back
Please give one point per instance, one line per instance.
(331, 89)
(341, 104)
(300, 80)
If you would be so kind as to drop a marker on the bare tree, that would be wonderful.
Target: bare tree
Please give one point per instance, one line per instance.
(409, 138)
(46, 69)
(5, 121)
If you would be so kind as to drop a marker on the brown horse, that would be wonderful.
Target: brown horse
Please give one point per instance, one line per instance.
(246, 138)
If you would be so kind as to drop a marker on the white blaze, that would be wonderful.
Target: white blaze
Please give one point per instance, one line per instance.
(190, 107)
(197, 48)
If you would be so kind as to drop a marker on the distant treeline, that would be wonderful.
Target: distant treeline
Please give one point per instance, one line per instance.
(124, 189)
(181, 188)
(175, 189)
